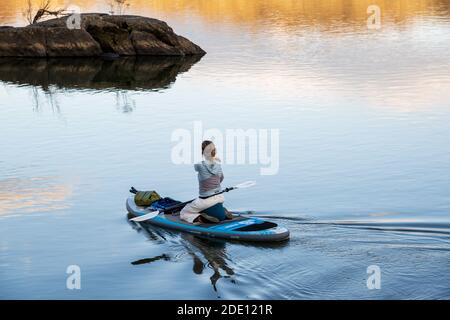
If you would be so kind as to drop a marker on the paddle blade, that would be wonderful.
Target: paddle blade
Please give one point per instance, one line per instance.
(246, 184)
(145, 217)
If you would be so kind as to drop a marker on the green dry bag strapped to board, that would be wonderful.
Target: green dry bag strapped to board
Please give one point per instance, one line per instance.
(146, 198)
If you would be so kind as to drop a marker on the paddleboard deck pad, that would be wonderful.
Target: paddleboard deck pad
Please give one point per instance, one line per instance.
(239, 228)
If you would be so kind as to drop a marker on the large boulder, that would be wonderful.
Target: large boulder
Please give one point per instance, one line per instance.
(22, 42)
(148, 44)
(99, 34)
(111, 38)
(157, 28)
(62, 42)
(188, 47)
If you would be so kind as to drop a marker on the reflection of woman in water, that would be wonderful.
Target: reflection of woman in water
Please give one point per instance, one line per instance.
(214, 253)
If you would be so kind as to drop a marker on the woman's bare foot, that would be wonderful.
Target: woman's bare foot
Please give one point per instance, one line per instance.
(200, 220)
(228, 214)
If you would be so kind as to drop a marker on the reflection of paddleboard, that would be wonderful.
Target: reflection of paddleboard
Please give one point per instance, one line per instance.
(239, 228)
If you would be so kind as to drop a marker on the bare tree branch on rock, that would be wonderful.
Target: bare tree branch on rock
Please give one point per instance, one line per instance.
(43, 10)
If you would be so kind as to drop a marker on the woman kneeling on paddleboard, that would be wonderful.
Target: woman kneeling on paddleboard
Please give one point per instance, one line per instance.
(210, 176)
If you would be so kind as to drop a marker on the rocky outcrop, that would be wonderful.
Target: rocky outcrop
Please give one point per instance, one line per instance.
(99, 34)
(22, 42)
(130, 73)
(62, 42)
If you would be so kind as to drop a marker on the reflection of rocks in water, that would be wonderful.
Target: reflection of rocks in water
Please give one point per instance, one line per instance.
(129, 73)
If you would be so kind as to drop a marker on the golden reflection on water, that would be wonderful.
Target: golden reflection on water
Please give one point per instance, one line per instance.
(381, 66)
(278, 13)
(21, 196)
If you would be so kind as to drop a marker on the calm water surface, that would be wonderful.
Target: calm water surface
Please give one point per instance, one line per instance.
(364, 155)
